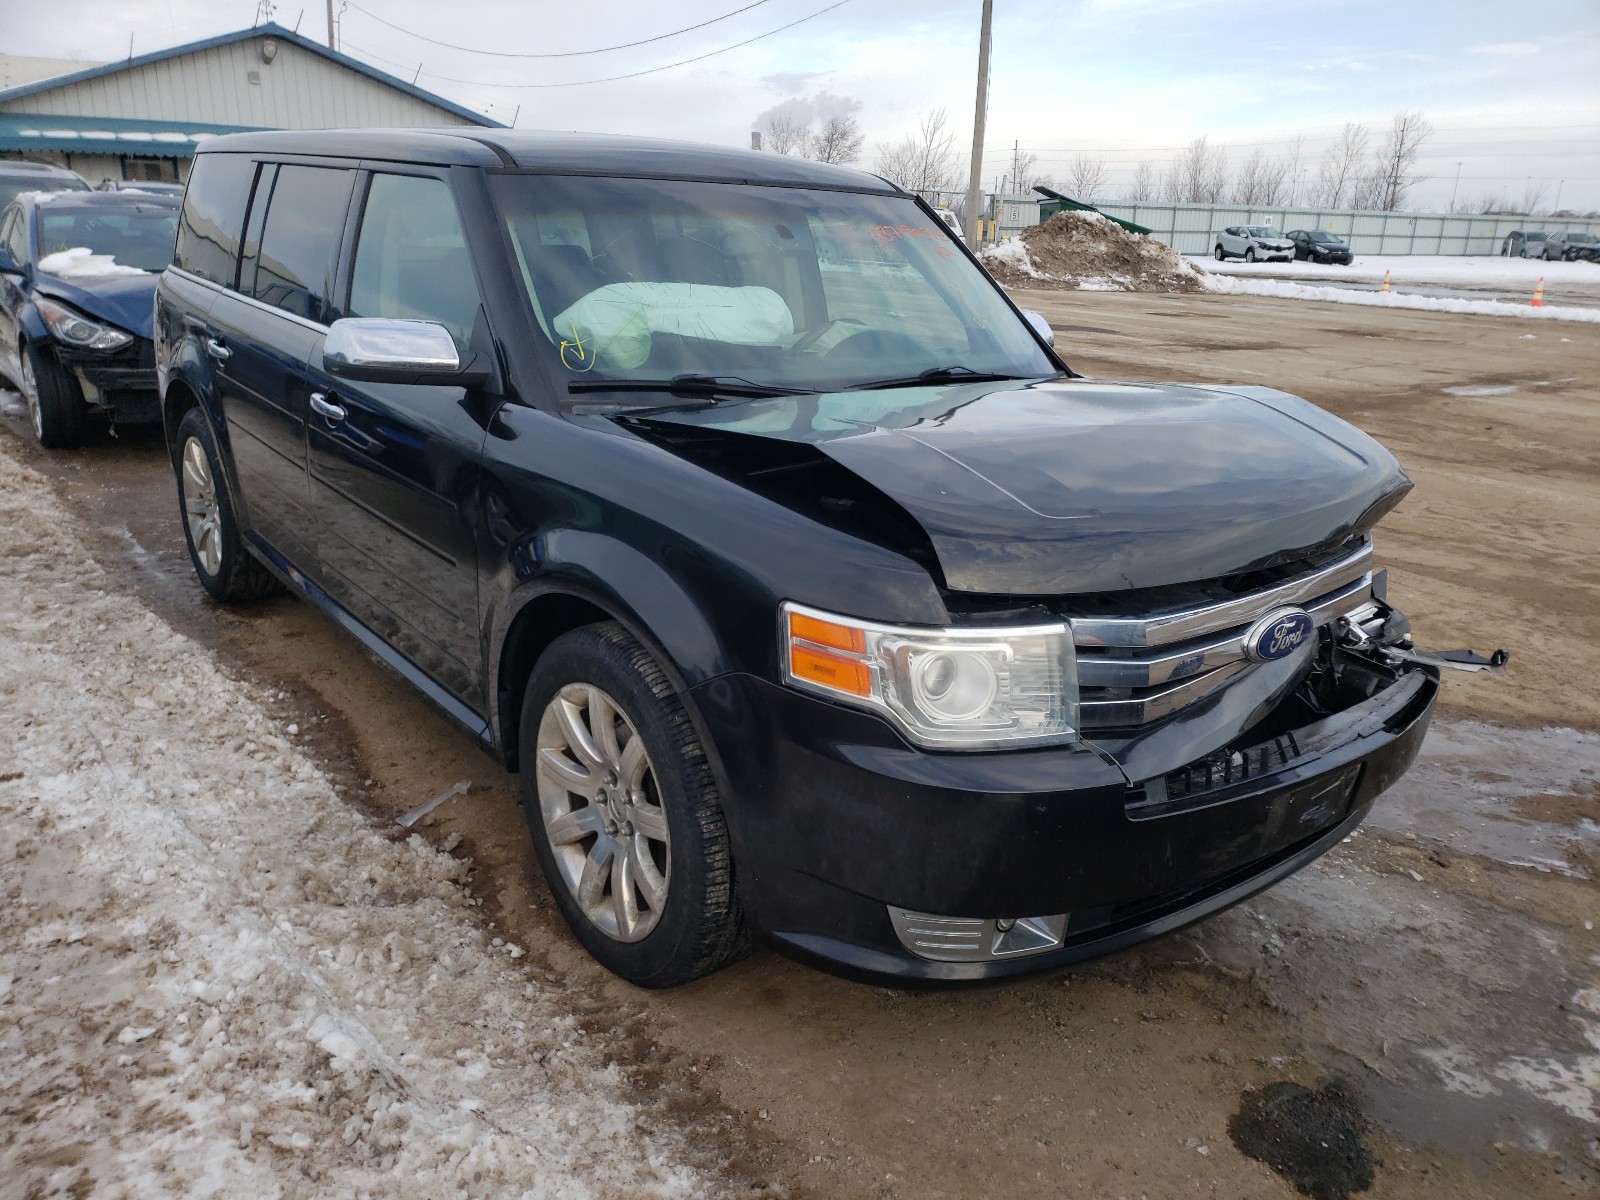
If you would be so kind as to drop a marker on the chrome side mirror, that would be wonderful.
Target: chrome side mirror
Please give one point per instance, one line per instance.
(1040, 326)
(386, 350)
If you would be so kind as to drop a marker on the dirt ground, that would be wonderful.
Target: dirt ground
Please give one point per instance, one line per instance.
(1420, 1010)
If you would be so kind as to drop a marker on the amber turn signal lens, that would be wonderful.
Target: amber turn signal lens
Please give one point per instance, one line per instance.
(827, 633)
(830, 670)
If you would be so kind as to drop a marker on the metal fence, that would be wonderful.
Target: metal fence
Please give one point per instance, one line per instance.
(1192, 228)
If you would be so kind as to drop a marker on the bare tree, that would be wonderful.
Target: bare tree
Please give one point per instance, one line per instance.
(838, 141)
(1200, 176)
(1492, 204)
(1086, 176)
(925, 161)
(1336, 174)
(1146, 183)
(1261, 180)
(1532, 197)
(1396, 163)
(787, 134)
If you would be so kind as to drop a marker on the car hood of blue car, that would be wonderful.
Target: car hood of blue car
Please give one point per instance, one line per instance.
(126, 301)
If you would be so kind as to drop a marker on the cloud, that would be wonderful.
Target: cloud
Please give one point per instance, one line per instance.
(804, 110)
(1505, 49)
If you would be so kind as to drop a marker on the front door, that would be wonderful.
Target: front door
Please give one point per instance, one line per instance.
(394, 468)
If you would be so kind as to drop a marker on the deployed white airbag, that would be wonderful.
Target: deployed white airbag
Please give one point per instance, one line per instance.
(613, 325)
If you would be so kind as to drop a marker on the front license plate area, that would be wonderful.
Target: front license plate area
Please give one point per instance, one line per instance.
(1306, 810)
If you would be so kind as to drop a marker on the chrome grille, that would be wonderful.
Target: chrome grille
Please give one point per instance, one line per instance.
(1135, 670)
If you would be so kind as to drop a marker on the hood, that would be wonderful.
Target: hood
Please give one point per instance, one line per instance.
(1079, 486)
(126, 301)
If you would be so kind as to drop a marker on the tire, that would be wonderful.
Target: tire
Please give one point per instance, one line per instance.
(1250, 254)
(1220, 256)
(228, 571)
(665, 909)
(55, 401)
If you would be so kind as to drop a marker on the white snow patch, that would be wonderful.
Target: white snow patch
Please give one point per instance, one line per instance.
(216, 978)
(1335, 295)
(1014, 252)
(82, 261)
(1481, 389)
(1483, 270)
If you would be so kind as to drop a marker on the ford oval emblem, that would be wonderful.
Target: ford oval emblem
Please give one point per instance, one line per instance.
(1279, 634)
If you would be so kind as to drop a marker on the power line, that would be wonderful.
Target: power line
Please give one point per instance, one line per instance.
(565, 54)
(636, 74)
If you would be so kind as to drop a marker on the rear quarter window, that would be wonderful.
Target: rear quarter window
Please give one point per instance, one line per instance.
(213, 215)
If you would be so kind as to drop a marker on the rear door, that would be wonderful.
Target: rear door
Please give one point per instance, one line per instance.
(263, 334)
(394, 468)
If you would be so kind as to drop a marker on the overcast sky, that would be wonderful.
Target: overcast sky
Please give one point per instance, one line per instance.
(1513, 91)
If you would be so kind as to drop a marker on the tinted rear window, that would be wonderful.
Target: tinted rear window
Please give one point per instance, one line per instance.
(304, 220)
(12, 186)
(213, 214)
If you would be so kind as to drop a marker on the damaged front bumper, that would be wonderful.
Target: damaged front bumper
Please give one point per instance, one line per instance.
(121, 382)
(874, 860)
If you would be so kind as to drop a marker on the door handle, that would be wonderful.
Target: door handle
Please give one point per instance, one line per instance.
(320, 403)
(217, 350)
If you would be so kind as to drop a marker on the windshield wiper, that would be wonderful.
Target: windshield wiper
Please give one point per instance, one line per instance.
(951, 374)
(690, 387)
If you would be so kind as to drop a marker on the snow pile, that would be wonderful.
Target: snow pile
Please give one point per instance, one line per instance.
(1451, 304)
(1083, 250)
(82, 261)
(216, 978)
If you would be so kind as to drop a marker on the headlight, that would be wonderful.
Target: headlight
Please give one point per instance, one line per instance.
(77, 330)
(953, 689)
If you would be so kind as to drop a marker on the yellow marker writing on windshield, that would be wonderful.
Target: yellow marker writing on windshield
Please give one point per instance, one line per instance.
(576, 346)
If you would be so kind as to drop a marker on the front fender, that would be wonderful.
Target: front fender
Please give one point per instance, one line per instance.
(620, 580)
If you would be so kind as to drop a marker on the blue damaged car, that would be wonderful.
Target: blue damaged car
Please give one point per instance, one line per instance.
(78, 276)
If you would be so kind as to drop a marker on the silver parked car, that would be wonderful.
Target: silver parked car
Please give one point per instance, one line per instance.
(1253, 242)
(1569, 246)
(1524, 243)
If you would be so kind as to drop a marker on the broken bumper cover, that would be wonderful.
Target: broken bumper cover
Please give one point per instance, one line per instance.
(122, 382)
(849, 838)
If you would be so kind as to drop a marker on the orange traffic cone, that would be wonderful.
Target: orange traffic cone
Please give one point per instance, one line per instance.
(1385, 286)
(1538, 294)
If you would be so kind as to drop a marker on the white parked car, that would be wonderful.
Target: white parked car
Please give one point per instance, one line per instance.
(1252, 243)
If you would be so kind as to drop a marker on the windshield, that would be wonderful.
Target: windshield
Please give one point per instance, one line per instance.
(1262, 231)
(1318, 235)
(13, 187)
(646, 279)
(1585, 238)
(138, 237)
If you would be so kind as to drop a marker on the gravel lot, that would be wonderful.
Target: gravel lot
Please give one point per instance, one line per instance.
(1427, 998)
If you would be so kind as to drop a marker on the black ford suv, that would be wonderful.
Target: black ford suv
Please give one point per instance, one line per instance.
(724, 497)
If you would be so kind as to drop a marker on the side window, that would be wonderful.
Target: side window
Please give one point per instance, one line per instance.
(213, 214)
(411, 256)
(304, 220)
(250, 248)
(13, 235)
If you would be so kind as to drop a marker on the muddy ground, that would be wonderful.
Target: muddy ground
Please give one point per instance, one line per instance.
(1427, 997)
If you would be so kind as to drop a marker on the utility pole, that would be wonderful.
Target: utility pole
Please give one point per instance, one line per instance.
(333, 41)
(1556, 207)
(1453, 188)
(979, 116)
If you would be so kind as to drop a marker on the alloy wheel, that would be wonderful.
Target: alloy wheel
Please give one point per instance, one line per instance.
(30, 393)
(200, 508)
(602, 812)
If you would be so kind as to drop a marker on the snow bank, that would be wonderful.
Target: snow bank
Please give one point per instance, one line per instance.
(216, 978)
(1336, 295)
(82, 261)
(1087, 252)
